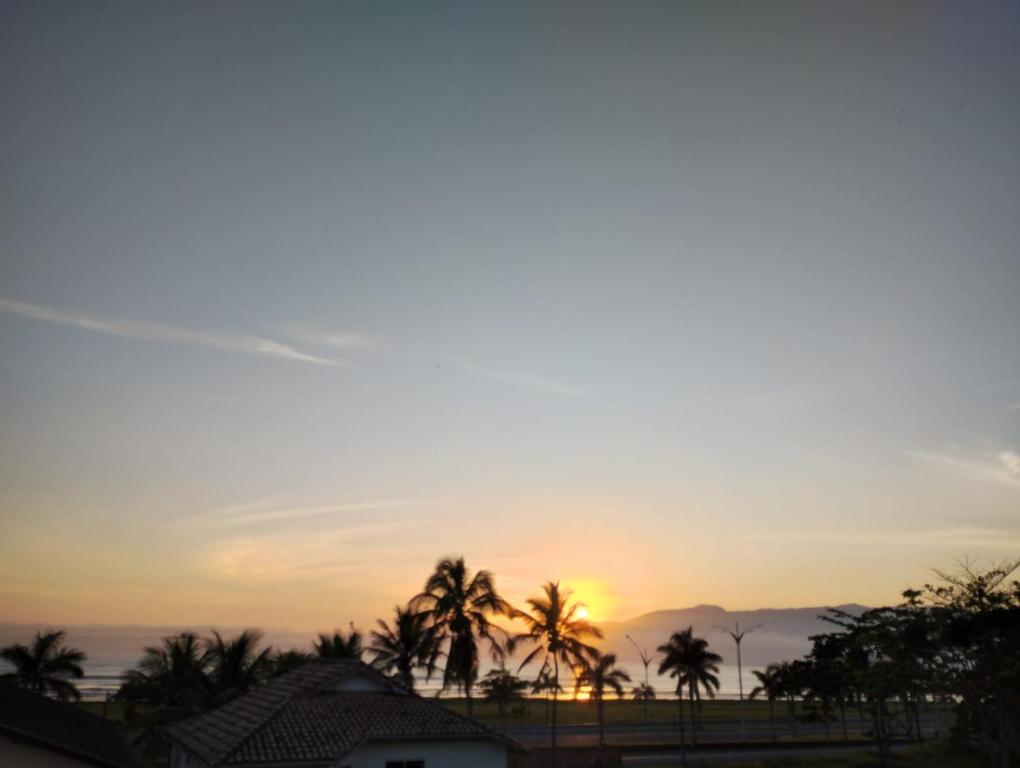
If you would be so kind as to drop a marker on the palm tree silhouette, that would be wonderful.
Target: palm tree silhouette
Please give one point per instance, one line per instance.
(46, 666)
(770, 684)
(170, 678)
(336, 646)
(601, 673)
(544, 683)
(643, 692)
(236, 665)
(503, 687)
(458, 605)
(688, 659)
(552, 623)
(410, 643)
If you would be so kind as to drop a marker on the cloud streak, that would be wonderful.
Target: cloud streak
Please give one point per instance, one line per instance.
(167, 334)
(274, 511)
(1002, 468)
(525, 382)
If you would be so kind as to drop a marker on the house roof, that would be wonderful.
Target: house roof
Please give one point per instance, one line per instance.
(63, 728)
(301, 717)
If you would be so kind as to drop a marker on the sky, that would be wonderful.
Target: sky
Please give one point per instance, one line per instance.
(676, 302)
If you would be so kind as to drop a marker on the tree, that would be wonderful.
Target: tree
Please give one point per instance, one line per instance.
(409, 644)
(170, 679)
(601, 674)
(687, 658)
(236, 665)
(769, 684)
(458, 606)
(643, 692)
(503, 687)
(46, 666)
(336, 646)
(287, 661)
(552, 624)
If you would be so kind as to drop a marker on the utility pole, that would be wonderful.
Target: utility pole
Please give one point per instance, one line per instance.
(738, 636)
(646, 660)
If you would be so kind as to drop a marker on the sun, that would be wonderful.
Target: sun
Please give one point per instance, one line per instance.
(582, 612)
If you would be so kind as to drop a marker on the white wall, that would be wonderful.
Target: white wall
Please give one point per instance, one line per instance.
(17, 753)
(436, 754)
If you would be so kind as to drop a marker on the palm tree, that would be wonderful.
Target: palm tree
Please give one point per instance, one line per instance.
(408, 644)
(336, 646)
(286, 661)
(688, 659)
(503, 687)
(770, 684)
(46, 666)
(601, 673)
(237, 664)
(544, 684)
(643, 692)
(458, 605)
(552, 623)
(170, 678)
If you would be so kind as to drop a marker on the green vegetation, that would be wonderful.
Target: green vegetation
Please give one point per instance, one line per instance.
(45, 666)
(952, 648)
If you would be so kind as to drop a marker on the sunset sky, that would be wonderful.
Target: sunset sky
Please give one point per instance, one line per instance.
(676, 302)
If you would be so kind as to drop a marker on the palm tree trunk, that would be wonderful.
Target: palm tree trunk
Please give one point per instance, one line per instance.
(680, 721)
(556, 680)
(791, 710)
(694, 722)
(602, 724)
(772, 717)
(842, 716)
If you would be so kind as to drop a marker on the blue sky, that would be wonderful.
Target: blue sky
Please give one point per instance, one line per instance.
(678, 302)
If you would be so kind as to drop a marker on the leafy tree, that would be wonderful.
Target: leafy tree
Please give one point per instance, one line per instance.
(601, 674)
(458, 606)
(551, 623)
(46, 666)
(503, 687)
(409, 644)
(337, 646)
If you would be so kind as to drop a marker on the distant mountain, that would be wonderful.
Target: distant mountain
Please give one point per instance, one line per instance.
(783, 633)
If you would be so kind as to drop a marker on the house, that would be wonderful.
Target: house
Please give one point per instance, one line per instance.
(336, 714)
(36, 732)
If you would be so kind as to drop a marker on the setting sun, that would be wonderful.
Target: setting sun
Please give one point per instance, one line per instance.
(582, 612)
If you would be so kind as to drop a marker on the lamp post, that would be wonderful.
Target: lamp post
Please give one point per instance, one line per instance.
(738, 636)
(646, 660)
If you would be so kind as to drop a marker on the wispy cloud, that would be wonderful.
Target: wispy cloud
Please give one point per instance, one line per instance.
(323, 338)
(263, 511)
(158, 332)
(524, 381)
(1002, 468)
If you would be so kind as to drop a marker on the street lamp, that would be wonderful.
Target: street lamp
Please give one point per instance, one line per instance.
(646, 660)
(737, 636)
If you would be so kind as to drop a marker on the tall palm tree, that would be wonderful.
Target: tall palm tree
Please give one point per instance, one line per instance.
(170, 678)
(551, 622)
(458, 606)
(237, 664)
(688, 659)
(410, 643)
(46, 666)
(602, 674)
(770, 684)
(336, 646)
